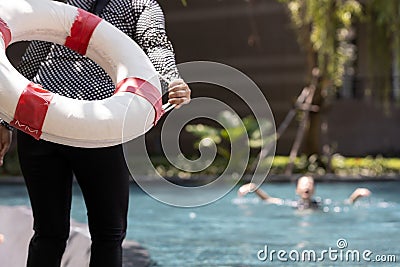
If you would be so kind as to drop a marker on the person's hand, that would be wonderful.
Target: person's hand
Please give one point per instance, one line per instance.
(178, 93)
(245, 189)
(5, 141)
(358, 193)
(362, 192)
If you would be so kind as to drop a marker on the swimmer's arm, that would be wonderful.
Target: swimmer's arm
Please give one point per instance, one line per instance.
(357, 194)
(247, 188)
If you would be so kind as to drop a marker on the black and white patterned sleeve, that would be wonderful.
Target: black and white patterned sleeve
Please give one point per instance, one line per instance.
(35, 54)
(152, 38)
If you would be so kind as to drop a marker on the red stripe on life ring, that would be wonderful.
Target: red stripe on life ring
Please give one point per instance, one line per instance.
(81, 31)
(144, 89)
(5, 32)
(31, 110)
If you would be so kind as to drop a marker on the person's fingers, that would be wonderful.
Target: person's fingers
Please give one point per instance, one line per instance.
(178, 93)
(245, 189)
(365, 192)
(178, 85)
(179, 101)
(176, 82)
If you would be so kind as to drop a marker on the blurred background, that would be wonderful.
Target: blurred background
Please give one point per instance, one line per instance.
(353, 108)
(355, 45)
(330, 70)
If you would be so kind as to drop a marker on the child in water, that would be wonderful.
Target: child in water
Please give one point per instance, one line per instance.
(305, 190)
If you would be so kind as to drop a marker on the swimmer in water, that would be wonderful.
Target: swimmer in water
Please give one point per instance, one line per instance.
(305, 190)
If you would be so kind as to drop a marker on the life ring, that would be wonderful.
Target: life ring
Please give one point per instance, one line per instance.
(133, 109)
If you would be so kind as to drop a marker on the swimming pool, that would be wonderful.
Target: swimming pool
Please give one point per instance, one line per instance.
(241, 232)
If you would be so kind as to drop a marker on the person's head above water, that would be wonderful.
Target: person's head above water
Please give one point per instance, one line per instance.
(305, 187)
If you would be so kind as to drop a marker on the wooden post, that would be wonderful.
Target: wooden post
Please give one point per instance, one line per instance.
(306, 107)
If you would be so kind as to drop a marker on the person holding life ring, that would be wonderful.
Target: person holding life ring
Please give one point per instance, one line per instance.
(95, 121)
(101, 172)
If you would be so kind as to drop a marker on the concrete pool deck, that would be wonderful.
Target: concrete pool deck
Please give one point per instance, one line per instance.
(16, 226)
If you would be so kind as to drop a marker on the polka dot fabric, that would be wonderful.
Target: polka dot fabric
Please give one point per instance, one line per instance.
(67, 73)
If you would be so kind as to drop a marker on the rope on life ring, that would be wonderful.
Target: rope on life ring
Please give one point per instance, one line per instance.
(133, 109)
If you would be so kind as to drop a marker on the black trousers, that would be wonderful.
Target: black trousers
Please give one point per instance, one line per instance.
(103, 177)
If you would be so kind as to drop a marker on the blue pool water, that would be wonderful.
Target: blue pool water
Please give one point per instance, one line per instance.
(231, 231)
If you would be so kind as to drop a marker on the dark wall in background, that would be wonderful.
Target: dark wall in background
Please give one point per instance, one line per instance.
(258, 40)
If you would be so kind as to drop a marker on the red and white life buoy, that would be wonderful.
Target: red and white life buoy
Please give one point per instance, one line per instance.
(134, 108)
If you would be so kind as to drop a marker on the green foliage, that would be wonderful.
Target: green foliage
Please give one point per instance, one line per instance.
(11, 164)
(236, 130)
(368, 166)
(325, 27)
(303, 164)
(383, 26)
(385, 14)
(165, 169)
(339, 165)
(246, 133)
(325, 30)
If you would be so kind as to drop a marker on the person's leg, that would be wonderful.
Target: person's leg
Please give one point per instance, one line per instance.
(104, 180)
(48, 179)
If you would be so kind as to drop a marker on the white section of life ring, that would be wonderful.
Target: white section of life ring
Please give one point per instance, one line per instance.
(76, 122)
